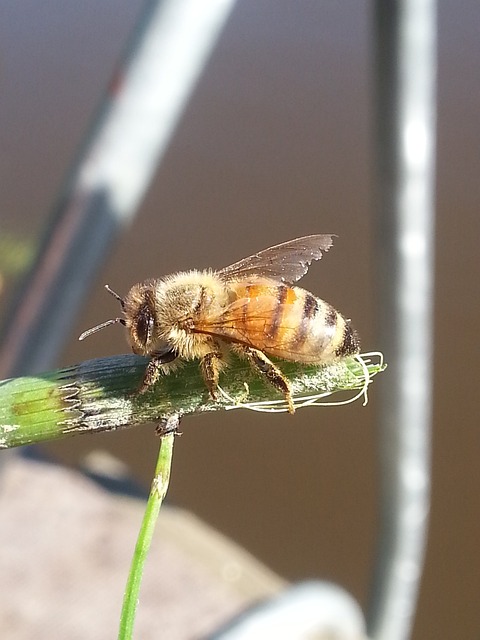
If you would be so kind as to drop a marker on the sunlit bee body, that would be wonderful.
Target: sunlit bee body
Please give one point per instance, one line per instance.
(251, 307)
(287, 322)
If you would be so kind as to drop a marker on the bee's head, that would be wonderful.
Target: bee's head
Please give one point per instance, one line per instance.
(139, 310)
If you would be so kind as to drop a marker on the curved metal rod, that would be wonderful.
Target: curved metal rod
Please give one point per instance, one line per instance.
(406, 81)
(165, 58)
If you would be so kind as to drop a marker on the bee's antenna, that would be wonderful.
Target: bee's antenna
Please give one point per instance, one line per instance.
(115, 295)
(89, 332)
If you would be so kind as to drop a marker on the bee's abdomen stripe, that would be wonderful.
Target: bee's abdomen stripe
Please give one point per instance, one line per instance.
(350, 343)
(310, 310)
(331, 317)
(282, 292)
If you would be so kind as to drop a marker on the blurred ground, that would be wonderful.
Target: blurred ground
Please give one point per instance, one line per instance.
(65, 570)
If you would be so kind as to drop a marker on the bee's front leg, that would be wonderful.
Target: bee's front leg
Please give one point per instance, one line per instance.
(275, 377)
(154, 368)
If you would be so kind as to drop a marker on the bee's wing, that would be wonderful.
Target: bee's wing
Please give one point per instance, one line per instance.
(286, 262)
(230, 325)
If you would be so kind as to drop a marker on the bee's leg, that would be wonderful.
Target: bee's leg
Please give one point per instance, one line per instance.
(275, 377)
(210, 366)
(154, 368)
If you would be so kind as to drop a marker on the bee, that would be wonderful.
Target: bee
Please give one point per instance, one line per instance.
(251, 307)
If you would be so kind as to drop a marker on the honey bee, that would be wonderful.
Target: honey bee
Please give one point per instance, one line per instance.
(251, 307)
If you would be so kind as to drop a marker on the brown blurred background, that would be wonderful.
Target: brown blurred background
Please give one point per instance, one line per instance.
(275, 143)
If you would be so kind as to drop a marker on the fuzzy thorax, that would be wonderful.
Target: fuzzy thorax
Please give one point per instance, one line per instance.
(160, 314)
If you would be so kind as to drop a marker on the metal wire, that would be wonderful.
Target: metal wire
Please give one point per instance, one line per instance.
(406, 81)
(148, 95)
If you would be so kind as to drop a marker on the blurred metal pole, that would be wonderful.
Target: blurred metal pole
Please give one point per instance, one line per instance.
(165, 59)
(405, 121)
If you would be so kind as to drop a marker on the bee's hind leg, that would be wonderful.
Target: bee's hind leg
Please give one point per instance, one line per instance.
(275, 377)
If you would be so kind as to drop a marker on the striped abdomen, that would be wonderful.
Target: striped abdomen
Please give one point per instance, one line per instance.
(288, 322)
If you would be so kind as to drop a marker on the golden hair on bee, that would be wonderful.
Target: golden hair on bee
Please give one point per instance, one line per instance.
(251, 307)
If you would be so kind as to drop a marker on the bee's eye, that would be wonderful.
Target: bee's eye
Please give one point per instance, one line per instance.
(144, 325)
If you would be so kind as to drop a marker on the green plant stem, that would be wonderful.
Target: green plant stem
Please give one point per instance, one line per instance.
(158, 491)
(102, 395)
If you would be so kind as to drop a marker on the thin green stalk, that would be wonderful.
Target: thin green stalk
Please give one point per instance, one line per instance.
(158, 491)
